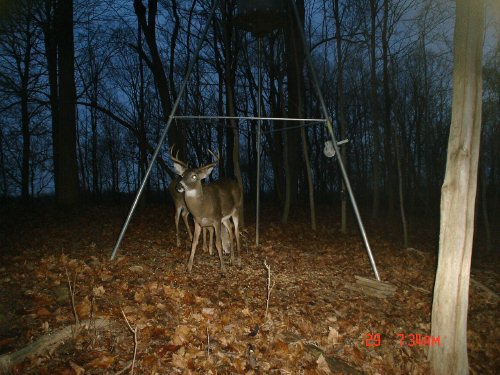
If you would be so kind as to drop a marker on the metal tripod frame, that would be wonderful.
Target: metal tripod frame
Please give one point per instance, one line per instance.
(259, 118)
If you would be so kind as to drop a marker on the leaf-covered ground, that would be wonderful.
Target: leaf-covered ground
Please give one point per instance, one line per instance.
(205, 323)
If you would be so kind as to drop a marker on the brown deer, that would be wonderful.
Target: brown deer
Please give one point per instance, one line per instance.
(211, 205)
(180, 209)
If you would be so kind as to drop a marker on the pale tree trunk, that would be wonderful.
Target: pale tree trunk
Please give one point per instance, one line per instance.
(451, 290)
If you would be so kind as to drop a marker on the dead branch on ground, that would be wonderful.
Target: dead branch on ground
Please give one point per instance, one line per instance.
(269, 287)
(134, 332)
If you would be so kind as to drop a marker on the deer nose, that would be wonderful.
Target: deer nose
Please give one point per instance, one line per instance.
(179, 187)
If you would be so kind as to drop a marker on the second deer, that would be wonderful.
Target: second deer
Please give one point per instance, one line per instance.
(211, 205)
(180, 209)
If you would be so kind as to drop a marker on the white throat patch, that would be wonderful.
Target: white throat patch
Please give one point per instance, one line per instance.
(191, 193)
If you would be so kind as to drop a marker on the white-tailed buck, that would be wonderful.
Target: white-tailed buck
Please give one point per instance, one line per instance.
(211, 205)
(181, 209)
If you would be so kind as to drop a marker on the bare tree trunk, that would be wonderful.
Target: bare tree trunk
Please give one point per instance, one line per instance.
(94, 79)
(388, 159)
(400, 190)
(341, 109)
(50, 44)
(173, 42)
(276, 140)
(143, 153)
(219, 67)
(26, 133)
(3, 169)
(375, 112)
(231, 53)
(295, 67)
(68, 192)
(148, 27)
(451, 290)
(310, 185)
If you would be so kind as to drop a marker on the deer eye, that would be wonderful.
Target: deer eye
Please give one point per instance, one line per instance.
(194, 177)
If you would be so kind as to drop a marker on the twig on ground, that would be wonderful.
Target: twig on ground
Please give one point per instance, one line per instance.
(134, 332)
(269, 287)
(208, 344)
(72, 290)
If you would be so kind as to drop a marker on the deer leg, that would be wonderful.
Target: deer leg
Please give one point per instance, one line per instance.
(231, 231)
(177, 216)
(227, 224)
(196, 237)
(205, 239)
(237, 235)
(218, 245)
(211, 245)
(185, 215)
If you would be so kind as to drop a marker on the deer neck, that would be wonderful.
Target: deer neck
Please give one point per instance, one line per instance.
(194, 199)
(203, 207)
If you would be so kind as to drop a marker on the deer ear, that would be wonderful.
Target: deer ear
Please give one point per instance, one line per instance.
(205, 171)
(179, 168)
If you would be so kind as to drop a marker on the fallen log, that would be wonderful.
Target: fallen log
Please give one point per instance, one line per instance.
(49, 342)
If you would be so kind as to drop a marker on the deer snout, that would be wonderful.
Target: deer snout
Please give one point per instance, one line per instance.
(179, 187)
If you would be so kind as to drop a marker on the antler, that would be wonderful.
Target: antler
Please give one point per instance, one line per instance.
(176, 158)
(216, 157)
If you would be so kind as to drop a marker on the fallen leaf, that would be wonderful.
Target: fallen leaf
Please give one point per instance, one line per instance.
(139, 296)
(149, 360)
(138, 269)
(77, 369)
(179, 360)
(197, 317)
(189, 299)
(246, 312)
(162, 350)
(333, 336)
(42, 311)
(98, 291)
(83, 308)
(281, 347)
(323, 367)
(153, 287)
(180, 335)
(208, 312)
(103, 361)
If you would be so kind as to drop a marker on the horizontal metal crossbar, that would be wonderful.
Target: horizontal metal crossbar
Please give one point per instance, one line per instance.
(247, 118)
